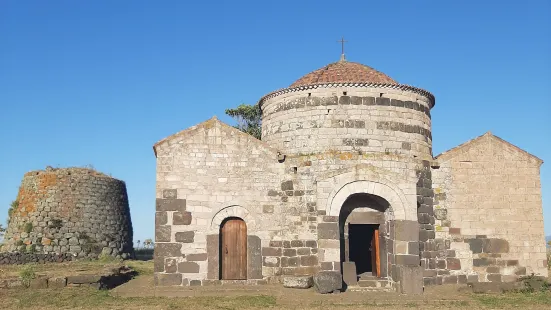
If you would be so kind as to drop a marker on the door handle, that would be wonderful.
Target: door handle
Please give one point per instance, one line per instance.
(226, 247)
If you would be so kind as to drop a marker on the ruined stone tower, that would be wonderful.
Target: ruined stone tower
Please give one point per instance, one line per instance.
(70, 210)
(341, 184)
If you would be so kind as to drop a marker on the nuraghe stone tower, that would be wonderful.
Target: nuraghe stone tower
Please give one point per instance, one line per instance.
(344, 181)
(70, 210)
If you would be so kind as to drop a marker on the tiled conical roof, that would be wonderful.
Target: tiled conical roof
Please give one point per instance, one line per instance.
(344, 72)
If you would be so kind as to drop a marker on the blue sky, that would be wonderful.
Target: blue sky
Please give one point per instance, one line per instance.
(99, 82)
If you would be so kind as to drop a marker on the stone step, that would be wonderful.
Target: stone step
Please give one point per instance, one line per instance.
(369, 277)
(371, 287)
(378, 283)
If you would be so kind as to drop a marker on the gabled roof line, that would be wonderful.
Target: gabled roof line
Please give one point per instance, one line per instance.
(449, 153)
(212, 120)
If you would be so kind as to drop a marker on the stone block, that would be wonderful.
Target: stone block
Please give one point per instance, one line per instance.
(413, 248)
(407, 260)
(158, 263)
(449, 279)
(39, 283)
(289, 252)
(330, 219)
(198, 257)
(300, 282)
(254, 257)
(271, 261)
(83, 279)
(290, 261)
(170, 193)
(441, 214)
(168, 250)
(162, 233)
(311, 244)
(181, 218)
(327, 281)
(185, 236)
(188, 267)
(268, 209)
(410, 280)
(475, 245)
(172, 279)
(406, 230)
(350, 277)
(326, 266)
(328, 231)
(344, 100)
(453, 263)
(495, 277)
(171, 265)
(195, 283)
(496, 246)
(171, 204)
(57, 282)
(160, 218)
(287, 185)
(303, 251)
(492, 269)
(311, 260)
(213, 256)
(266, 251)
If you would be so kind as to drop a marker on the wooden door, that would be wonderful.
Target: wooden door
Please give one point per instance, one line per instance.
(234, 249)
(375, 258)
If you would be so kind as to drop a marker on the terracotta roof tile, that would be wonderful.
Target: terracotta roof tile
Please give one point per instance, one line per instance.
(344, 72)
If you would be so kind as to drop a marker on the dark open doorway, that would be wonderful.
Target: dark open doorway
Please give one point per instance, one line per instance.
(363, 246)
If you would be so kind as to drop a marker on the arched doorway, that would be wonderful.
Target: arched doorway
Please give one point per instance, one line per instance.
(362, 231)
(233, 249)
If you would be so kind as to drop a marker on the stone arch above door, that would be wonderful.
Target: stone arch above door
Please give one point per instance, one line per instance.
(233, 211)
(395, 197)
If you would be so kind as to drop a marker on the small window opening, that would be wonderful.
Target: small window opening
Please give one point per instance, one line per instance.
(381, 94)
(309, 94)
(295, 169)
(344, 93)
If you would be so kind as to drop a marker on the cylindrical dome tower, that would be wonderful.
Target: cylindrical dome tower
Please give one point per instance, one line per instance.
(347, 106)
(70, 210)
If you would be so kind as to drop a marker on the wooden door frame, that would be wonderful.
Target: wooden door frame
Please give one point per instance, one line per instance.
(221, 249)
(377, 250)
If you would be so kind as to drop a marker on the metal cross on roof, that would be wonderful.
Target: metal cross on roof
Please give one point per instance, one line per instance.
(342, 47)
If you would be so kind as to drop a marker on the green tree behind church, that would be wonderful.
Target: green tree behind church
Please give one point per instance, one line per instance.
(249, 119)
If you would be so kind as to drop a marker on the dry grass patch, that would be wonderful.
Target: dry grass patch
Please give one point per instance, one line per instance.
(74, 268)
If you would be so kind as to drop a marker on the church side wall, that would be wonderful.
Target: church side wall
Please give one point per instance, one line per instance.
(206, 176)
(488, 210)
(366, 119)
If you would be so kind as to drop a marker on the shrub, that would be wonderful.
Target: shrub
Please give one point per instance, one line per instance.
(27, 274)
(533, 283)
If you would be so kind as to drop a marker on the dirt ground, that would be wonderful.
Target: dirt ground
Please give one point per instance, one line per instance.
(140, 293)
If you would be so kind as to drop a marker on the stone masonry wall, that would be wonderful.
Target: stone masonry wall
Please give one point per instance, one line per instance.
(212, 171)
(70, 210)
(205, 174)
(489, 212)
(367, 119)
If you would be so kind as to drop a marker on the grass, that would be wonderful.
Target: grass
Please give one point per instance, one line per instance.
(75, 267)
(87, 298)
(515, 300)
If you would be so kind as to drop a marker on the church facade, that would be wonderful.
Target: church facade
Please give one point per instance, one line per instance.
(344, 181)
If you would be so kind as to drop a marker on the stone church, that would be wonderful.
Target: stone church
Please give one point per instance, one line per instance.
(344, 182)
